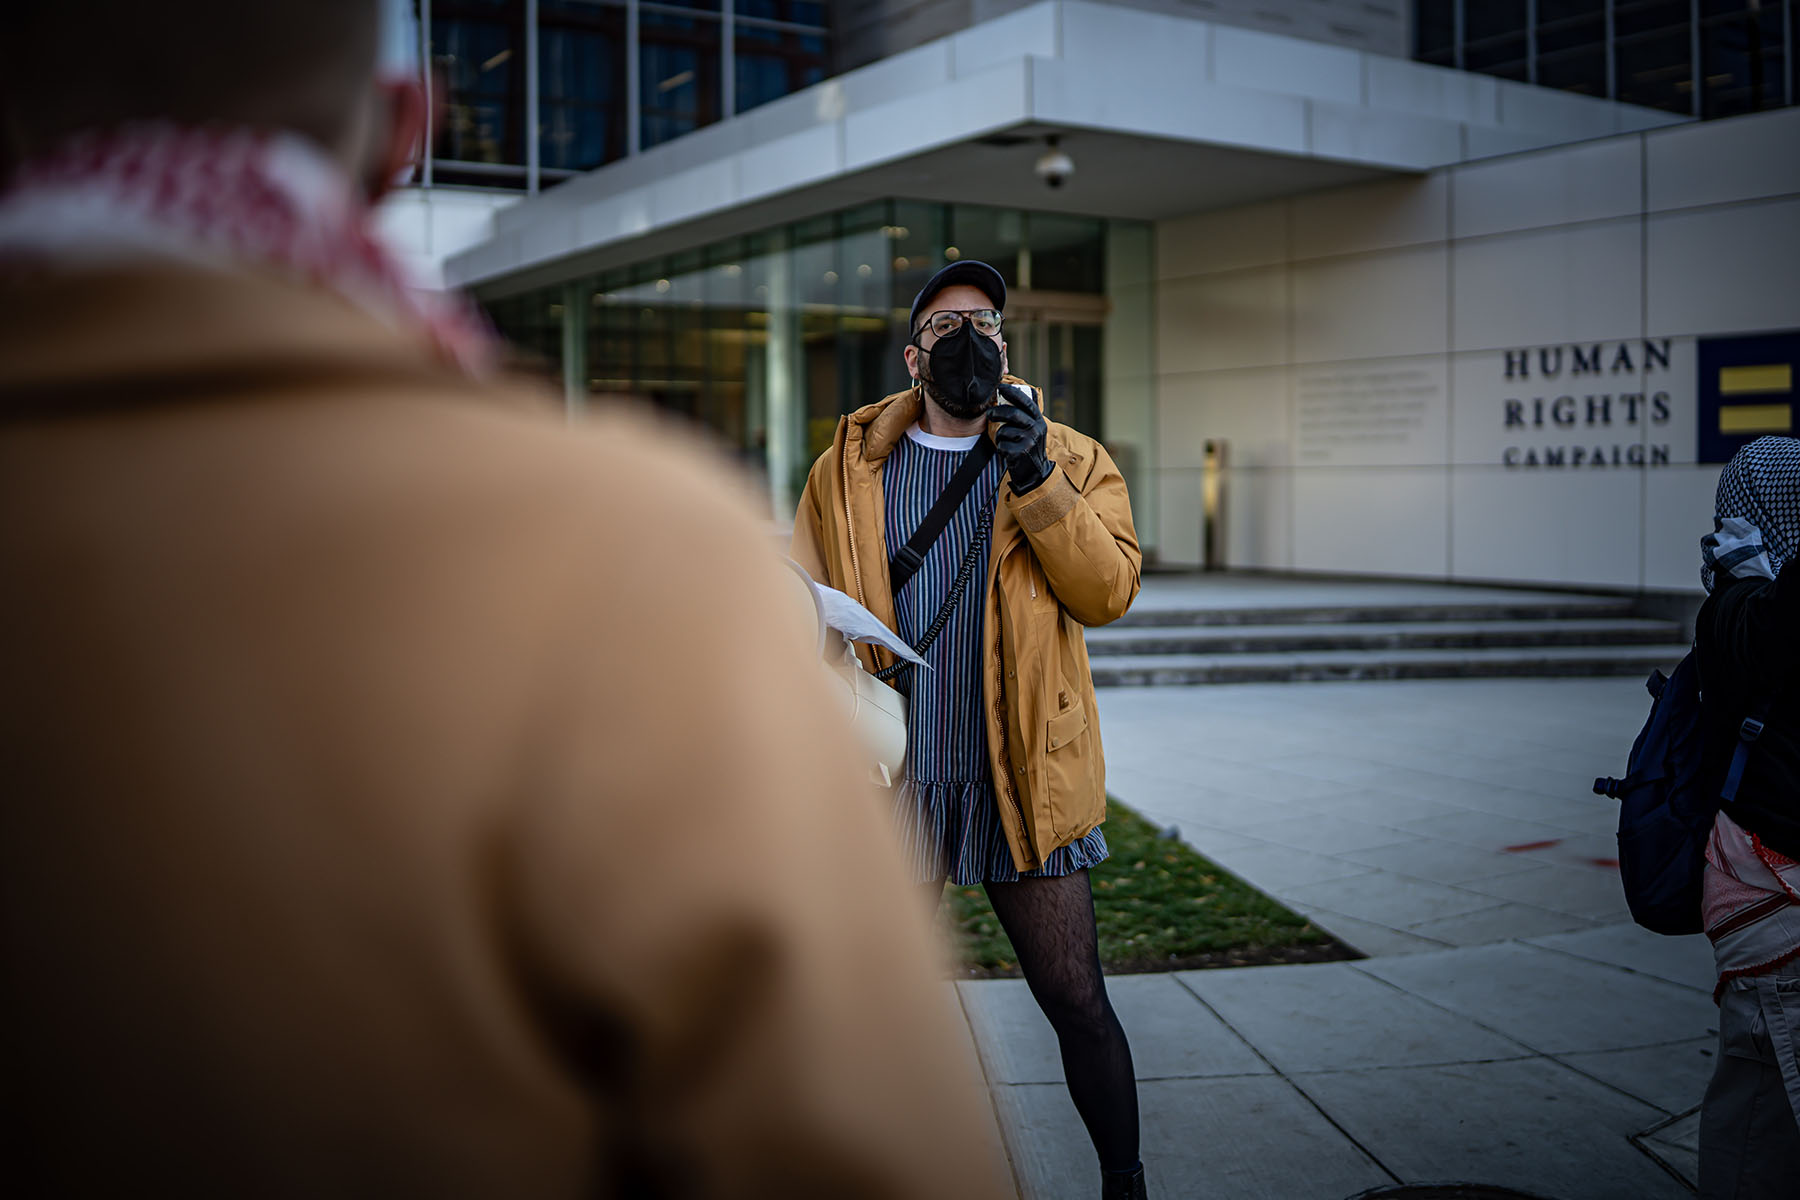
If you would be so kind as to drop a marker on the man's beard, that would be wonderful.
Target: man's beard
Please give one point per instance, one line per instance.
(959, 407)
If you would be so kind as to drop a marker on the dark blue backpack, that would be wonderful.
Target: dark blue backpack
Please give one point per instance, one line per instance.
(1667, 806)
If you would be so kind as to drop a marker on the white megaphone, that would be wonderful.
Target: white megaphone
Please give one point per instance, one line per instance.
(876, 712)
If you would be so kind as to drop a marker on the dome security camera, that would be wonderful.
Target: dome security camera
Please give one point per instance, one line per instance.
(1054, 166)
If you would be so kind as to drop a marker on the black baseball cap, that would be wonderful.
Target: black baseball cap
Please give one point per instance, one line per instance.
(977, 275)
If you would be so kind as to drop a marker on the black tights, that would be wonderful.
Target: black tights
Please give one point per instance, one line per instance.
(1050, 921)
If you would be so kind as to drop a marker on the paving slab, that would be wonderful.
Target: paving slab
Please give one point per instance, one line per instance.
(1439, 861)
(1172, 1034)
(1552, 1003)
(1328, 1016)
(1673, 1078)
(1483, 830)
(1377, 807)
(1366, 936)
(1234, 811)
(1684, 960)
(1676, 1144)
(1322, 833)
(1385, 898)
(1584, 891)
(1277, 868)
(1568, 1140)
(1569, 814)
(1245, 1138)
(1495, 924)
(1256, 782)
(997, 1164)
(1334, 764)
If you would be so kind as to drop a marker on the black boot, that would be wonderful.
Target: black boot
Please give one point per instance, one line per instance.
(1123, 1185)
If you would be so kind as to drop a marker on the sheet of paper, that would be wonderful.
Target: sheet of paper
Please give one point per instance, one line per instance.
(858, 624)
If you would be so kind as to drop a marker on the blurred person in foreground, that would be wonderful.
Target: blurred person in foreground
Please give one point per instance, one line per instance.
(1005, 784)
(1748, 638)
(403, 794)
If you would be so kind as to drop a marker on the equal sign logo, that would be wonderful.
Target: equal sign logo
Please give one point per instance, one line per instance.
(1748, 395)
(1746, 391)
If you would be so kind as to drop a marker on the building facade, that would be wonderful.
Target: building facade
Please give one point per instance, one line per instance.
(1439, 294)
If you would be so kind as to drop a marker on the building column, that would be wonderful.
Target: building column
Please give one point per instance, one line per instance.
(1129, 387)
(531, 97)
(634, 135)
(577, 300)
(782, 393)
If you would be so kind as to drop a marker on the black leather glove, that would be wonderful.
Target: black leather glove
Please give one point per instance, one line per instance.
(1019, 437)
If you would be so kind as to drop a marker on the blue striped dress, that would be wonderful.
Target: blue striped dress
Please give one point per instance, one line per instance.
(945, 809)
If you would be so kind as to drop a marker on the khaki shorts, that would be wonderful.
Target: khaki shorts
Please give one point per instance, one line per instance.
(1749, 1133)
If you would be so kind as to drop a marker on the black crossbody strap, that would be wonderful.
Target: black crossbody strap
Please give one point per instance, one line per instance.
(910, 557)
(957, 586)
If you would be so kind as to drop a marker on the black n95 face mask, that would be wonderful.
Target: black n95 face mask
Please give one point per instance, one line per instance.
(962, 372)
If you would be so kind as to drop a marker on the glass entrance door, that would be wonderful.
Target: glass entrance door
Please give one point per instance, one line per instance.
(1054, 342)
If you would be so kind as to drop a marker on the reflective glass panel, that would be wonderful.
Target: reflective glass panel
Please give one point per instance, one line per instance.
(581, 87)
(478, 59)
(1742, 58)
(771, 63)
(1656, 69)
(678, 79)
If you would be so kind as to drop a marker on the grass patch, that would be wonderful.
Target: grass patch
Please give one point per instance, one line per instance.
(1159, 907)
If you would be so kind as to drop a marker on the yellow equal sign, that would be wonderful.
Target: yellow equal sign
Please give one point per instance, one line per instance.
(1756, 418)
(1772, 379)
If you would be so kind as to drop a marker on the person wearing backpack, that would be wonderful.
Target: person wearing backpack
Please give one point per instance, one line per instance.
(988, 537)
(1747, 639)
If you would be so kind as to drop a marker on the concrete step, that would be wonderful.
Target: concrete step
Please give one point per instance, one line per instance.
(1535, 608)
(1276, 638)
(1153, 670)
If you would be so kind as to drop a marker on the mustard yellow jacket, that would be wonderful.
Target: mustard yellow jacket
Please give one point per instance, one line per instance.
(1064, 556)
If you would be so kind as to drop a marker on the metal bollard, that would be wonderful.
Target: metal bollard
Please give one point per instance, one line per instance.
(1212, 506)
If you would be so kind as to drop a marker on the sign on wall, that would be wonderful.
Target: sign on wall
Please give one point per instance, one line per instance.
(1746, 391)
(1591, 406)
(1620, 405)
(1628, 404)
(1387, 412)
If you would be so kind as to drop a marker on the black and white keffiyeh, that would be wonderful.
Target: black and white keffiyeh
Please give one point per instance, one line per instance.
(1756, 517)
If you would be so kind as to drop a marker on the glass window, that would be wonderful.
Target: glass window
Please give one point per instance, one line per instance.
(1571, 45)
(531, 323)
(678, 75)
(765, 340)
(794, 12)
(771, 63)
(478, 58)
(990, 235)
(1434, 32)
(1741, 55)
(1068, 254)
(1494, 38)
(1655, 68)
(1633, 17)
(581, 86)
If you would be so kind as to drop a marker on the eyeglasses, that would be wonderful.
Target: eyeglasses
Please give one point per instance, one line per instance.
(947, 321)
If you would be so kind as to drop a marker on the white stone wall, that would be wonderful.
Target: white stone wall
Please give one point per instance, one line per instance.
(428, 225)
(1352, 345)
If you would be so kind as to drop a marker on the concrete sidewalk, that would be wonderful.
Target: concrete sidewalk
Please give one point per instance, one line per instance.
(1511, 1026)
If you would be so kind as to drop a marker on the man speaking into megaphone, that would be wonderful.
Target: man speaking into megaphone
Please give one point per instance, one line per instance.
(987, 537)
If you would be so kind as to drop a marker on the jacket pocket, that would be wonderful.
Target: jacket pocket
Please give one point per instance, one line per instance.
(1069, 769)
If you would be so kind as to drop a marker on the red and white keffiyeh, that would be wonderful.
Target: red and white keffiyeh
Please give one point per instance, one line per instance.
(1752, 903)
(223, 197)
